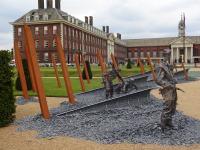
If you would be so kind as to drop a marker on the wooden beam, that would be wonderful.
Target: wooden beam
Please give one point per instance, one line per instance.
(185, 72)
(151, 67)
(68, 84)
(20, 69)
(114, 61)
(30, 68)
(86, 69)
(141, 66)
(36, 72)
(56, 71)
(102, 64)
(79, 72)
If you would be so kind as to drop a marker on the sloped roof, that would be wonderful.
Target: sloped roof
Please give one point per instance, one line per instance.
(53, 14)
(157, 41)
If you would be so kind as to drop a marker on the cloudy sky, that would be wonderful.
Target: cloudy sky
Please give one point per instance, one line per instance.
(131, 18)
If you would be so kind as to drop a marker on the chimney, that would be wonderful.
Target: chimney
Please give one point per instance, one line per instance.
(107, 29)
(40, 4)
(119, 36)
(49, 3)
(86, 19)
(91, 20)
(57, 3)
(104, 29)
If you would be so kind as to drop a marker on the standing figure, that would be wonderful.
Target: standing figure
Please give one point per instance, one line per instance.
(108, 84)
(165, 79)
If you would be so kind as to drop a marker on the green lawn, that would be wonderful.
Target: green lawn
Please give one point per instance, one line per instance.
(52, 90)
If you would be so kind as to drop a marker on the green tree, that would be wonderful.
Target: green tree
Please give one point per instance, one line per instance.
(129, 65)
(27, 76)
(89, 71)
(7, 100)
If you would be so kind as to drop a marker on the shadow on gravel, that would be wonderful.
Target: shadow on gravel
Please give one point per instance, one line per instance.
(133, 124)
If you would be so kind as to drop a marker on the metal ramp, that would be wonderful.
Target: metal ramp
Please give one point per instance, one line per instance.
(95, 99)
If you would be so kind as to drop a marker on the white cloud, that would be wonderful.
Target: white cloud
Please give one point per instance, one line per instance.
(132, 18)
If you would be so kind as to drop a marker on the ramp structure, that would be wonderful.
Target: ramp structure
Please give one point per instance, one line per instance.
(95, 99)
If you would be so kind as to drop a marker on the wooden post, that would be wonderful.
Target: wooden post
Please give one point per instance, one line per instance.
(30, 68)
(20, 69)
(86, 70)
(151, 67)
(158, 61)
(79, 72)
(102, 64)
(36, 72)
(141, 66)
(68, 84)
(185, 72)
(56, 71)
(114, 61)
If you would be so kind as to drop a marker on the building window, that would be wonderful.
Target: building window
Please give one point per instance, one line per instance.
(36, 30)
(46, 56)
(54, 43)
(161, 54)
(135, 54)
(46, 44)
(45, 17)
(148, 54)
(28, 18)
(36, 43)
(36, 17)
(54, 29)
(19, 32)
(154, 54)
(20, 44)
(45, 30)
(142, 54)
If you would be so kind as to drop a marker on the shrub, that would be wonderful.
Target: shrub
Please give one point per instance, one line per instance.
(129, 66)
(27, 76)
(89, 71)
(7, 100)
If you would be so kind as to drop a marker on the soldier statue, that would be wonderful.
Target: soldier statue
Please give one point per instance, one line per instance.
(108, 84)
(168, 90)
(122, 87)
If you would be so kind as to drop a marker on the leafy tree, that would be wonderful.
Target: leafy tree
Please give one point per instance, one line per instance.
(89, 71)
(27, 76)
(129, 65)
(7, 100)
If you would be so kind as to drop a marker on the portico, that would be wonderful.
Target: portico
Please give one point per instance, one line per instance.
(182, 51)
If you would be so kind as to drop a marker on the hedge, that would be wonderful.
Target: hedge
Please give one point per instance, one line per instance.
(7, 100)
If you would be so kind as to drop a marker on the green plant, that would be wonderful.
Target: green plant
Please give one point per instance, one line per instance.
(89, 71)
(129, 65)
(7, 100)
(27, 76)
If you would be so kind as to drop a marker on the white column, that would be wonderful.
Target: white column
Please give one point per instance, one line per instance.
(172, 55)
(186, 54)
(192, 61)
(177, 54)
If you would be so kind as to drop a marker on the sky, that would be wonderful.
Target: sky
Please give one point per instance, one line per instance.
(132, 18)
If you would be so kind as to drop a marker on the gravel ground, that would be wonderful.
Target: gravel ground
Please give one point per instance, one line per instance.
(21, 101)
(135, 124)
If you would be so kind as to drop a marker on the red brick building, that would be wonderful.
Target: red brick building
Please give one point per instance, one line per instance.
(76, 35)
(183, 48)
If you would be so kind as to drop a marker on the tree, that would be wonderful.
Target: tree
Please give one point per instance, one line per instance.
(7, 100)
(89, 71)
(27, 76)
(129, 66)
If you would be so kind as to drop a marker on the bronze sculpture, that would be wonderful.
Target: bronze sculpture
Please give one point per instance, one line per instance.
(168, 90)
